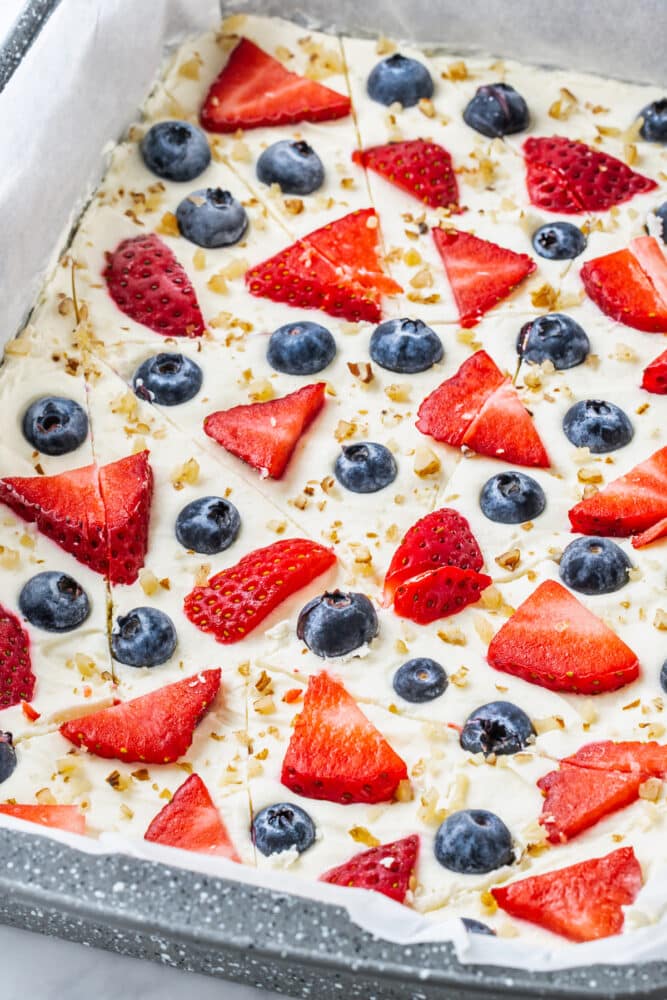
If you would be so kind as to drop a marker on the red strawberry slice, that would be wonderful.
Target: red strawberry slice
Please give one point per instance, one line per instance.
(630, 756)
(577, 797)
(446, 414)
(265, 434)
(630, 285)
(630, 505)
(438, 594)
(423, 169)
(127, 492)
(156, 728)
(655, 375)
(554, 641)
(569, 177)
(582, 902)
(387, 869)
(149, 285)
(191, 821)
(442, 538)
(503, 429)
(236, 600)
(653, 534)
(352, 245)
(17, 681)
(68, 818)
(335, 753)
(480, 272)
(254, 89)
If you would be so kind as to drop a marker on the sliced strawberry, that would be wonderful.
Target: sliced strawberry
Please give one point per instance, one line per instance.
(439, 593)
(651, 257)
(504, 429)
(480, 272)
(265, 434)
(17, 681)
(582, 902)
(652, 534)
(127, 491)
(632, 504)
(442, 538)
(352, 245)
(68, 818)
(554, 641)
(236, 600)
(387, 869)
(254, 89)
(577, 797)
(335, 753)
(569, 177)
(150, 286)
(156, 728)
(448, 412)
(621, 286)
(417, 166)
(630, 757)
(191, 821)
(655, 375)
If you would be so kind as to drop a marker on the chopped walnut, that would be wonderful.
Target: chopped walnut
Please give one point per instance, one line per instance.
(509, 560)
(362, 371)
(360, 835)
(186, 474)
(398, 392)
(426, 462)
(660, 620)
(453, 636)
(168, 225)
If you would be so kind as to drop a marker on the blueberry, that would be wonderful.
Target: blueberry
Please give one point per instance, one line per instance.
(497, 109)
(168, 379)
(477, 927)
(144, 637)
(365, 467)
(405, 346)
(597, 425)
(594, 565)
(498, 728)
(54, 601)
(208, 525)
(294, 166)
(7, 756)
(335, 624)
(663, 677)
(55, 425)
(553, 337)
(559, 241)
(654, 121)
(281, 827)
(301, 348)
(473, 842)
(211, 218)
(420, 680)
(660, 213)
(398, 78)
(512, 498)
(176, 151)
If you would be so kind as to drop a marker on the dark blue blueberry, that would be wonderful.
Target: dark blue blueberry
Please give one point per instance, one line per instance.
(559, 241)
(654, 121)
(176, 151)
(553, 337)
(301, 348)
(365, 467)
(497, 728)
(420, 680)
(398, 78)
(594, 565)
(281, 827)
(497, 109)
(405, 346)
(473, 842)
(661, 213)
(144, 637)
(7, 756)
(294, 166)
(512, 498)
(597, 425)
(55, 425)
(211, 218)
(335, 624)
(168, 379)
(663, 677)
(208, 525)
(477, 927)
(54, 601)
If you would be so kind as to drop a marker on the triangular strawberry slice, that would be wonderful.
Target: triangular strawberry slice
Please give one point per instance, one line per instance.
(566, 176)
(191, 821)
(17, 681)
(630, 505)
(629, 756)
(352, 245)
(423, 169)
(446, 414)
(127, 492)
(69, 818)
(480, 272)
(387, 869)
(554, 641)
(156, 728)
(576, 798)
(335, 753)
(652, 534)
(439, 594)
(265, 434)
(655, 375)
(254, 89)
(503, 429)
(630, 285)
(582, 902)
